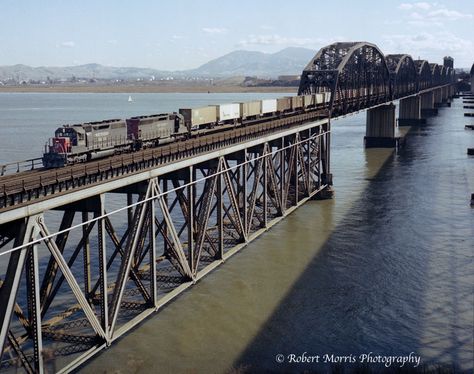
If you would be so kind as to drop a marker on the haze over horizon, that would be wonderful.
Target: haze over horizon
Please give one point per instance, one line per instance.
(185, 35)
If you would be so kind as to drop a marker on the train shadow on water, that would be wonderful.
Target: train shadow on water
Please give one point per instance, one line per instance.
(388, 281)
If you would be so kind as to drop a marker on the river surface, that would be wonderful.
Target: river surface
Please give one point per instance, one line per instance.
(385, 267)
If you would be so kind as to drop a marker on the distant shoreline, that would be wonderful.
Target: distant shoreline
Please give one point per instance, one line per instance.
(147, 89)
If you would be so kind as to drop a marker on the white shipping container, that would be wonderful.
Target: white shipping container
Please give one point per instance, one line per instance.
(250, 108)
(308, 100)
(327, 97)
(319, 98)
(269, 106)
(227, 112)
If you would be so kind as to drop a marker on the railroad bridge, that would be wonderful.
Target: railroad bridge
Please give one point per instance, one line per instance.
(90, 250)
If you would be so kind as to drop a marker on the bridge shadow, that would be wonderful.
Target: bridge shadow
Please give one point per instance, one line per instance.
(369, 287)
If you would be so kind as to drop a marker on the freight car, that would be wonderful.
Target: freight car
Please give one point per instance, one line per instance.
(251, 109)
(194, 118)
(228, 113)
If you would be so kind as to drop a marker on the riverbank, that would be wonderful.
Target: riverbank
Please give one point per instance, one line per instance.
(132, 88)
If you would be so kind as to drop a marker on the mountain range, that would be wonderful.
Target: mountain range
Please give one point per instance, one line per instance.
(289, 61)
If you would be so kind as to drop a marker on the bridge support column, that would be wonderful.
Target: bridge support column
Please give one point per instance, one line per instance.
(325, 155)
(452, 90)
(438, 97)
(428, 104)
(410, 112)
(446, 96)
(380, 127)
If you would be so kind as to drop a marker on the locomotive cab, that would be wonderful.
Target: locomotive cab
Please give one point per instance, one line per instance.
(67, 140)
(60, 145)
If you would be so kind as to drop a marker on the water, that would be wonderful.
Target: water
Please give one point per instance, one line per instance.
(384, 267)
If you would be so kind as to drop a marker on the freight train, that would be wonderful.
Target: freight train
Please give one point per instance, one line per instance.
(83, 142)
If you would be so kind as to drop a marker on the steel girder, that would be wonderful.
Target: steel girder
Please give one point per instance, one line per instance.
(403, 75)
(424, 74)
(442, 74)
(451, 75)
(435, 74)
(355, 73)
(447, 75)
(359, 76)
(91, 276)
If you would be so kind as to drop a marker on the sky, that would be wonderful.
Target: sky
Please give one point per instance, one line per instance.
(182, 34)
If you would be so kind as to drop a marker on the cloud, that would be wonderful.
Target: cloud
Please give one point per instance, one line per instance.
(275, 39)
(214, 30)
(177, 37)
(420, 5)
(68, 44)
(430, 46)
(437, 41)
(426, 14)
(451, 15)
(112, 41)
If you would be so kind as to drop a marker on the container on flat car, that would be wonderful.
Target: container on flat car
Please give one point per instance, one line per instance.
(195, 117)
(269, 106)
(283, 104)
(227, 112)
(297, 102)
(251, 109)
(308, 101)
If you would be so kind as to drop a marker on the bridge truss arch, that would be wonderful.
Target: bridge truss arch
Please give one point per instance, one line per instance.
(435, 74)
(424, 74)
(444, 75)
(355, 73)
(452, 75)
(403, 74)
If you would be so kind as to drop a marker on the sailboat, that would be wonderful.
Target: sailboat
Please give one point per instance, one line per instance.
(130, 99)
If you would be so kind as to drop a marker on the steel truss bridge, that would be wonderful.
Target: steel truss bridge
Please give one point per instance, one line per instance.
(90, 250)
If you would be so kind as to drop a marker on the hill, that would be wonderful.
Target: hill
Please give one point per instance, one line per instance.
(289, 61)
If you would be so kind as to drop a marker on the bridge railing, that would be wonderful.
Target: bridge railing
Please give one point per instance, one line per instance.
(18, 166)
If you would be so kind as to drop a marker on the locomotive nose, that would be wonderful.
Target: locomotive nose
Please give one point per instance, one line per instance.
(61, 145)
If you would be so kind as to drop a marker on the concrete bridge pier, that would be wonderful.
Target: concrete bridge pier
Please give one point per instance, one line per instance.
(428, 104)
(448, 96)
(380, 127)
(441, 97)
(445, 96)
(409, 112)
(438, 97)
(452, 91)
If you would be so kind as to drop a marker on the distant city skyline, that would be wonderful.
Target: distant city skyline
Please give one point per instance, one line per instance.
(185, 34)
